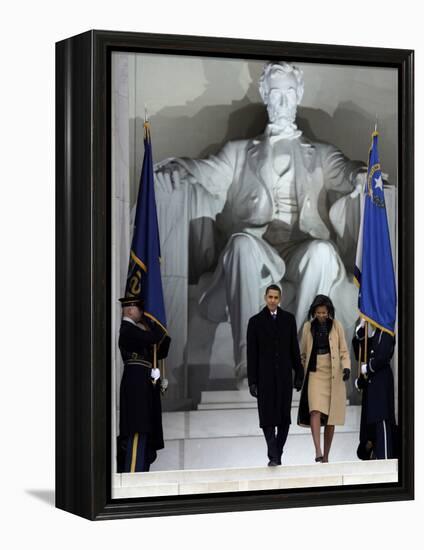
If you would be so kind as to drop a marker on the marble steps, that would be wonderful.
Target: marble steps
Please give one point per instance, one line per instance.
(231, 399)
(227, 434)
(253, 478)
(227, 451)
(235, 423)
(230, 405)
(234, 399)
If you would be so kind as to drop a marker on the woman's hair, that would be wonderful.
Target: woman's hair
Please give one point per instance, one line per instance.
(321, 300)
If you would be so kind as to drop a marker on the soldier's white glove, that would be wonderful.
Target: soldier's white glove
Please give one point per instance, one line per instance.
(164, 385)
(155, 374)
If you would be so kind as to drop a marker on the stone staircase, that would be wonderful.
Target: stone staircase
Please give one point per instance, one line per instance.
(224, 433)
(220, 448)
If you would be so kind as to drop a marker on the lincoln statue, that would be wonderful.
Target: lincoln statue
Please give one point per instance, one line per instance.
(275, 205)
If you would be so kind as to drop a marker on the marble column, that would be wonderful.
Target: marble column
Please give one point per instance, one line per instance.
(120, 218)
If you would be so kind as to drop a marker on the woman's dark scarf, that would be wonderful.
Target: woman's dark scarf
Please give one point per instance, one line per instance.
(312, 365)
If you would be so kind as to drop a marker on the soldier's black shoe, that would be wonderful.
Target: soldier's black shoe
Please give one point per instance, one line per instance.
(274, 463)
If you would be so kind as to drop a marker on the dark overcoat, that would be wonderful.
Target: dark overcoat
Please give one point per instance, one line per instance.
(358, 344)
(381, 401)
(272, 356)
(140, 399)
(378, 396)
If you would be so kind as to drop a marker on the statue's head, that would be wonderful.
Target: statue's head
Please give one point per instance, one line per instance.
(281, 87)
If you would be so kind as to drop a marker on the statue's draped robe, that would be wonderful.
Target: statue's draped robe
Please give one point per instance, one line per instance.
(276, 218)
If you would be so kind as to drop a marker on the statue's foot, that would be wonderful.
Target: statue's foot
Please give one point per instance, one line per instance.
(242, 384)
(240, 373)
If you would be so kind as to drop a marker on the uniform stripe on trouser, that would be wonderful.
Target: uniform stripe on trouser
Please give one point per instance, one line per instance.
(385, 439)
(384, 442)
(136, 454)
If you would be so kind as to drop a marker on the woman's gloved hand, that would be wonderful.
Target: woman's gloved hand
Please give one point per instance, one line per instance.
(346, 374)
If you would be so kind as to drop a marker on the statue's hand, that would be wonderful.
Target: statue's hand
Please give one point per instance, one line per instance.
(168, 177)
(359, 183)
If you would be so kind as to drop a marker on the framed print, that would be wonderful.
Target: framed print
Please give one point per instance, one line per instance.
(219, 202)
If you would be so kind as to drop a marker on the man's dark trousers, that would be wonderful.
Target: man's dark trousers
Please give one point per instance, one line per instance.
(275, 439)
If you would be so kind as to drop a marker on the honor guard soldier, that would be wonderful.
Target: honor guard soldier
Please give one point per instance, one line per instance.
(140, 424)
(377, 430)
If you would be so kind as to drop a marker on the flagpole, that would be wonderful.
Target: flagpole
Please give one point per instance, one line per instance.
(145, 257)
(154, 360)
(366, 345)
(359, 360)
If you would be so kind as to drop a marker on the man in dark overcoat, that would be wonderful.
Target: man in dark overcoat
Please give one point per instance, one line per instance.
(272, 356)
(140, 422)
(376, 383)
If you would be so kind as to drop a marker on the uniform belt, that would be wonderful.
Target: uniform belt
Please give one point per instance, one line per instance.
(323, 351)
(141, 362)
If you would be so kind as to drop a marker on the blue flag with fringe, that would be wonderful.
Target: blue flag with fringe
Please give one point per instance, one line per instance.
(144, 277)
(374, 271)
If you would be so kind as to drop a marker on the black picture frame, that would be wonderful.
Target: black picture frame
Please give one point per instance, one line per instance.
(83, 381)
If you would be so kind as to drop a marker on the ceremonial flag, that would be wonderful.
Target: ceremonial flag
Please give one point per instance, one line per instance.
(144, 278)
(374, 271)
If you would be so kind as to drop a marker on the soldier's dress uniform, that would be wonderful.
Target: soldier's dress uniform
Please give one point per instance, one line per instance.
(378, 412)
(140, 423)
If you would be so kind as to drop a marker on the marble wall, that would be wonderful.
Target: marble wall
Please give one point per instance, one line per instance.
(197, 104)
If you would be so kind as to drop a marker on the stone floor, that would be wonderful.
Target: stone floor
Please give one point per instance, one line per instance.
(220, 480)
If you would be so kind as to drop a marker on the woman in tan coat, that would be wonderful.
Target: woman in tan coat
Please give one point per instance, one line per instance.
(325, 358)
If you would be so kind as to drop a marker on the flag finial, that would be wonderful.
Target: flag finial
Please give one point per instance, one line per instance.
(146, 124)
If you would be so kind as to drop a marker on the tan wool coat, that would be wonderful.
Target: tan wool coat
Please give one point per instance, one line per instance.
(340, 360)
